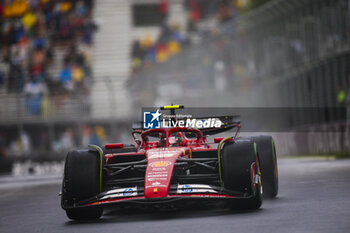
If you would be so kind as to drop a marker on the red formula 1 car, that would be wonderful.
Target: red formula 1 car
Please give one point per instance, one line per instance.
(170, 166)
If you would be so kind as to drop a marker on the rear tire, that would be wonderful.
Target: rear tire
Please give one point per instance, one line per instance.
(268, 163)
(81, 181)
(237, 158)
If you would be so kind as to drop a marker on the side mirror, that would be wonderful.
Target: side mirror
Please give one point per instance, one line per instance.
(218, 140)
(114, 146)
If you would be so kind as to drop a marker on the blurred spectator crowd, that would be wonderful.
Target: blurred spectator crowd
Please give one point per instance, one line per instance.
(148, 51)
(31, 33)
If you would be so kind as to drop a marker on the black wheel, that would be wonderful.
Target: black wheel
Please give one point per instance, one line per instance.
(82, 180)
(268, 163)
(240, 167)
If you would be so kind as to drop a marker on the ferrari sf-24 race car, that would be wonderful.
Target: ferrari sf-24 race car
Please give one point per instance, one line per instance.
(168, 167)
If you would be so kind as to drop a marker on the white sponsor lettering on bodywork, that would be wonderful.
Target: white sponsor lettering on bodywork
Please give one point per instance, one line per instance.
(195, 188)
(121, 192)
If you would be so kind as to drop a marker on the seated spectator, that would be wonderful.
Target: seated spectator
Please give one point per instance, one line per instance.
(66, 78)
(150, 55)
(39, 43)
(101, 133)
(98, 137)
(78, 76)
(29, 20)
(81, 8)
(38, 57)
(162, 53)
(24, 49)
(174, 47)
(37, 71)
(34, 91)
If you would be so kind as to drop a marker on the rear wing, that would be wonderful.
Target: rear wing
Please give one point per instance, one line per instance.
(227, 123)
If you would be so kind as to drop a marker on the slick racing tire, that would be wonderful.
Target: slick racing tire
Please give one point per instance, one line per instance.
(268, 163)
(82, 180)
(240, 167)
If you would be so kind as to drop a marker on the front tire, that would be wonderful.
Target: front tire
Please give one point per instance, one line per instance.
(82, 180)
(240, 168)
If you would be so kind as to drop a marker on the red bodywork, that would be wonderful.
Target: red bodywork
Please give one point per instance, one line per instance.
(161, 160)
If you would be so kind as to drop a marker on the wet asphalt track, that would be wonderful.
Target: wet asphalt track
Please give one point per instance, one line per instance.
(314, 197)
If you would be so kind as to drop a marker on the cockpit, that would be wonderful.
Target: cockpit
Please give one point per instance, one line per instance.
(172, 137)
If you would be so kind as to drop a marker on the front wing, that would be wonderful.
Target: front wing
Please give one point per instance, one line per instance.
(177, 194)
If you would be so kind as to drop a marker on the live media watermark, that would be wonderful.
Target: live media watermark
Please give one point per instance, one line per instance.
(281, 119)
(156, 120)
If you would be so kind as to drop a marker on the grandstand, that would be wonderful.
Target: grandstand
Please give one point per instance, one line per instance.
(51, 106)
